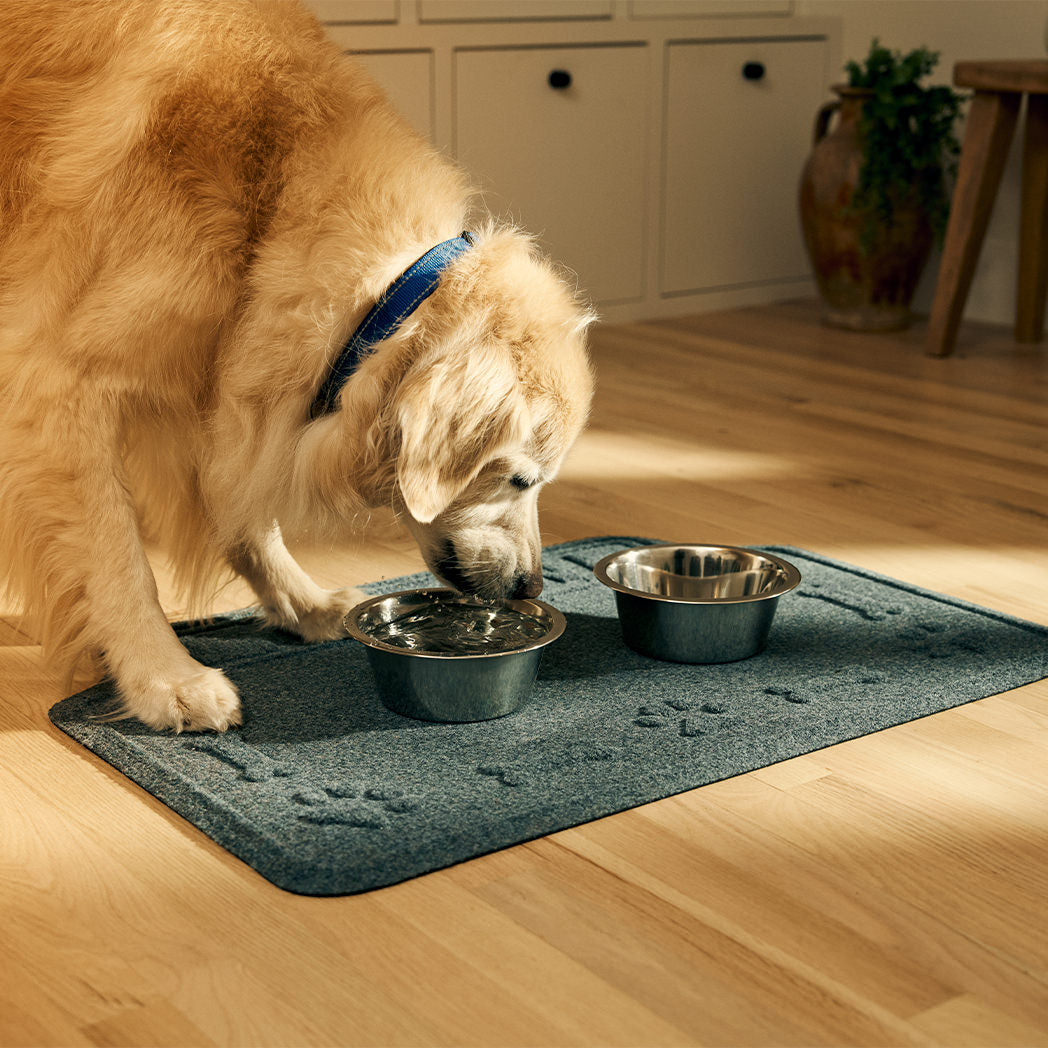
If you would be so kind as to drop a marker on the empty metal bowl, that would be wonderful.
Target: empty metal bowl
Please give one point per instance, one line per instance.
(696, 603)
(439, 656)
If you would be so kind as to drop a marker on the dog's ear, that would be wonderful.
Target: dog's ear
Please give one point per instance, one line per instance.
(453, 419)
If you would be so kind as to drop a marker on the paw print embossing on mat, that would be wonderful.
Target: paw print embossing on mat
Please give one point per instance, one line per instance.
(699, 718)
(798, 695)
(505, 775)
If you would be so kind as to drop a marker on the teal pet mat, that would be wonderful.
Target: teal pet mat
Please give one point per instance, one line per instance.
(325, 792)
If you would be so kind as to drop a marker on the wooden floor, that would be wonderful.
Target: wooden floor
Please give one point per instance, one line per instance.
(888, 891)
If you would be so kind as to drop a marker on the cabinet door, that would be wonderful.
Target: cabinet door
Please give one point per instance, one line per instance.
(566, 162)
(407, 78)
(738, 130)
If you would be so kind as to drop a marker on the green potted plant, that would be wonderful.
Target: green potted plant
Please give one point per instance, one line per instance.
(875, 192)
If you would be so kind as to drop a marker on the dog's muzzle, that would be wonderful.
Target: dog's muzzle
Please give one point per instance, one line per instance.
(524, 585)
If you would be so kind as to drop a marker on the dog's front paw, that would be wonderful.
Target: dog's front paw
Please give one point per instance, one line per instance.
(203, 701)
(324, 620)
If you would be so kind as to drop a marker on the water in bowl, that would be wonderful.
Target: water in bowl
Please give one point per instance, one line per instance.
(457, 627)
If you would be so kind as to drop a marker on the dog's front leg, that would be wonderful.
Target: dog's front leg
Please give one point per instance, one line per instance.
(89, 580)
(289, 597)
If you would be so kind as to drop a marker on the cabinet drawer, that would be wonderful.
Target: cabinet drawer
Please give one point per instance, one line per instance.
(353, 11)
(567, 162)
(707, 8)
(509, 11)
(735, 144)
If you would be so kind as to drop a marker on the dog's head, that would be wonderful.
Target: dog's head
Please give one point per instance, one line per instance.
(495, 396)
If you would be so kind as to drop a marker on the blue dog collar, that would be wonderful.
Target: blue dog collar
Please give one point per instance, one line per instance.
(397, 303)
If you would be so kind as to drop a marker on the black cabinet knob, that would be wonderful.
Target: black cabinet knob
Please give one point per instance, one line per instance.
(753, 71)
(560, 79)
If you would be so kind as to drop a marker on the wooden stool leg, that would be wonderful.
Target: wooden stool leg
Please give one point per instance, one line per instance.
(988, 133)
(1033, 231)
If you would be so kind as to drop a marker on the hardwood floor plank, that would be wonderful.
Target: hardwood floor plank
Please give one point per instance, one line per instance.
(970, 1022)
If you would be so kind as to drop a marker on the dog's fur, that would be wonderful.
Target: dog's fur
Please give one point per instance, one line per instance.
(199, 200)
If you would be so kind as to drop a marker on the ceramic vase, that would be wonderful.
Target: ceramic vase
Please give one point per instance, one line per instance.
(864, 289)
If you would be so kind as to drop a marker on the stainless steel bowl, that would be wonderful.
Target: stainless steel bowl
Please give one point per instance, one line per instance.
(696, 603)
(450, 685)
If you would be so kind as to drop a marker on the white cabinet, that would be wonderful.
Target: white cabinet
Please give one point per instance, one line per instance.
(407, 78)
(661, 163)
(550, 133)
(737, 132)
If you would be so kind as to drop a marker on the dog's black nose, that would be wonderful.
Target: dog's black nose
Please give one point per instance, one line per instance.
(526, 585)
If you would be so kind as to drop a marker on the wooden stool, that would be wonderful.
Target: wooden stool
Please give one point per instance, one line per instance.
(999, 87)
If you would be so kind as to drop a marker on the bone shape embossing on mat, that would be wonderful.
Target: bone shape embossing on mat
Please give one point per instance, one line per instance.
(522, 773)
(341, 805)
(252, 763)
(871, 611)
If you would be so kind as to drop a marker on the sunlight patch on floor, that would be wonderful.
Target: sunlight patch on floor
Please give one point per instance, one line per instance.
(600, 455)
(989, 571)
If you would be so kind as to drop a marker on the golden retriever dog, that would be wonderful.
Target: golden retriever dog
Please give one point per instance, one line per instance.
(200, 201)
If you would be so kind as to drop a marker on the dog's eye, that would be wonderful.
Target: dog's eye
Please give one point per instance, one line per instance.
(520, 482)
